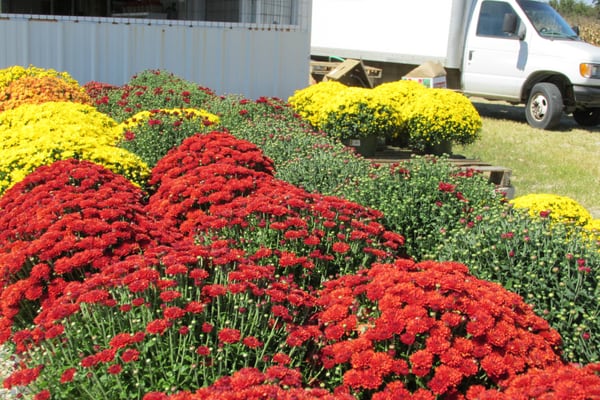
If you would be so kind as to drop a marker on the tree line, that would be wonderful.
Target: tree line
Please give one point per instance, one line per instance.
(572, 8)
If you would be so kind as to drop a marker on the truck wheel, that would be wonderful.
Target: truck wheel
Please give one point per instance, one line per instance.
(587, 117)
(545, 106)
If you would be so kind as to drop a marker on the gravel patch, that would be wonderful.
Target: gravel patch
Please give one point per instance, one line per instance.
(6, 367)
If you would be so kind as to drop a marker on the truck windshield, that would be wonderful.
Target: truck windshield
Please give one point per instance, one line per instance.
(546, 20)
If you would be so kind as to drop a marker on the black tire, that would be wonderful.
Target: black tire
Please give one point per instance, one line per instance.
(545, 106)
(587, 117)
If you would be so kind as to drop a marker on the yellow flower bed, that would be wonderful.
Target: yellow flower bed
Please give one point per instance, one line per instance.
(36, 135)
(558, 208)
(428, 116)
(314, 102)
(13, 73)
(437, 115)
(142, 117)
(594, 228)
(359, 112)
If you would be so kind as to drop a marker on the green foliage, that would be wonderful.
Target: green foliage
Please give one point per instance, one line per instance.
(555, 270)
(425, 200)
(572, 8)
(149, 90)
(151, 134)
(303, 157)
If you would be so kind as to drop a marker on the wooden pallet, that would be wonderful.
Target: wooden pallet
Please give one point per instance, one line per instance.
(498, 175)
(349, 72)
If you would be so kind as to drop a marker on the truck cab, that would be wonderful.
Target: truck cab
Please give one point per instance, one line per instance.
(523, 51)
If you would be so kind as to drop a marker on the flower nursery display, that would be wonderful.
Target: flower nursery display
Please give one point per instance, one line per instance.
(163, 242)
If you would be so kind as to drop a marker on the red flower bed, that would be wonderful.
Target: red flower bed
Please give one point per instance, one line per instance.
(428, 327)
(204, 170)
(250, 384)
(61, 223)
(564, 382)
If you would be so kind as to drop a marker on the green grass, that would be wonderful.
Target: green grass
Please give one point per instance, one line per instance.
(565, 161)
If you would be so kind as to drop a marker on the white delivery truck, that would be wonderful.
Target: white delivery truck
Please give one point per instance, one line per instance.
(520, 51)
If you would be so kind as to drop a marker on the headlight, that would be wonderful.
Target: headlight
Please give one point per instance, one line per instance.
(589, 70)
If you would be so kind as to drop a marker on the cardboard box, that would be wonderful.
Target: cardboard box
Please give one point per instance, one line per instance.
(435, 82)
(430, 74)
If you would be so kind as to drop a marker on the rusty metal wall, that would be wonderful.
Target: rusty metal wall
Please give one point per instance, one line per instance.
(249, 59)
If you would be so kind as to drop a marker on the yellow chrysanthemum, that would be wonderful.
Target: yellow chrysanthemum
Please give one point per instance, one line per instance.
(399, 93)
(558, 208)
(428, 116)
(13, 73)
(36, 135)
(360, 112)
(142, 117)
(593, 227)
(53, 119)
(314, 102)
(437, 115)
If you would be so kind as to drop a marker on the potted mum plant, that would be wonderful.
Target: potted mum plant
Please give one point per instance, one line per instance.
(438, 118)
(359, 117)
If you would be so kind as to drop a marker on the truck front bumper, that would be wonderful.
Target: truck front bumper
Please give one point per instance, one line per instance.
(586, 96)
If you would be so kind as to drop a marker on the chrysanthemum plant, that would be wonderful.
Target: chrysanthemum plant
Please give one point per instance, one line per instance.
(360, 113)
(558, 208)
(151, 134)
(148, 90)
(39, 134)
(16, 72)
(36, 90)
(313, 103)
(346, 112)
(428, 116)
(436, 116)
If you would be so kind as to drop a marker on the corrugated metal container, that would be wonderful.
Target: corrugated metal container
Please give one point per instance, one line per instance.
(240, 58)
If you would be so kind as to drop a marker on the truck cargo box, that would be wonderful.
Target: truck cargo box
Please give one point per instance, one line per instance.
(390, 30)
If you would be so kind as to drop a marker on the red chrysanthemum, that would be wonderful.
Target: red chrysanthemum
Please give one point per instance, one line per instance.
(229, 335)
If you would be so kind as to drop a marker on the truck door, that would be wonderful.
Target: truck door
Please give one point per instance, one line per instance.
(494, 61)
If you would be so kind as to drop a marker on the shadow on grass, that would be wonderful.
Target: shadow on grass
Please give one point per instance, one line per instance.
(516, 113)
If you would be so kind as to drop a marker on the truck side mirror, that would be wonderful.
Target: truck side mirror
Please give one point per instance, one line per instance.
(576, 29)
(511, 26)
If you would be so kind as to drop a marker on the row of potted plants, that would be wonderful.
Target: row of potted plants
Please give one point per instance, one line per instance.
(402, 112)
